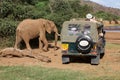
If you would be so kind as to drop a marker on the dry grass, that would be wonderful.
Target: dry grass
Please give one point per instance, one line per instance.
(113, 35)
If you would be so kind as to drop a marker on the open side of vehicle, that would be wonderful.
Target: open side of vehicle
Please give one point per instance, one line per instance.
(81, 38)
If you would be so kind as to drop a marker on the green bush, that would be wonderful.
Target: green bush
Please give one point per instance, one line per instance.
(6, 8)
(20, 12)
(7, 27)
(7, 41)
(106, 16)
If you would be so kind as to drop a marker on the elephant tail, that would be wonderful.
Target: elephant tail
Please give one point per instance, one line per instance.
(17, 32)
(18, 38)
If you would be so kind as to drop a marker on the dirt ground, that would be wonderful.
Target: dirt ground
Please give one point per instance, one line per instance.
(108, 65)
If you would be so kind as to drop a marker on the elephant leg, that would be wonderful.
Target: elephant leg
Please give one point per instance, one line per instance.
(18, 40)
(26, 40)
(45, 45)
(43, 38)
(40, 44)
(45, 48)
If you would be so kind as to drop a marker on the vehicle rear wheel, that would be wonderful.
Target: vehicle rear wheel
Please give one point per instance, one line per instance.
(65, 59)
(95, 59)
(102, 55)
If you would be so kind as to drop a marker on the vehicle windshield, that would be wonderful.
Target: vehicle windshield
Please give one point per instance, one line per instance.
(73, 29)
(87, 29)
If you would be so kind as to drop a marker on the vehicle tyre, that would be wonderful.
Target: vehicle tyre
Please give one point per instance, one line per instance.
(84, 43)
(95, 59)
(102, 55)
(65, 59)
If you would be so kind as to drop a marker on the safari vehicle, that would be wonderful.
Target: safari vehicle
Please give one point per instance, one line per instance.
(81, 38)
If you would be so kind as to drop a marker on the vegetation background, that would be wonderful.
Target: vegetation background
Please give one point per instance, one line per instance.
(14, 11)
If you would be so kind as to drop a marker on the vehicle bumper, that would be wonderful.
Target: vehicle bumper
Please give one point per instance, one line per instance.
(78, 54)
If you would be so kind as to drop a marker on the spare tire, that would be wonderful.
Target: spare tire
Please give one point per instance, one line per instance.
(84, 43)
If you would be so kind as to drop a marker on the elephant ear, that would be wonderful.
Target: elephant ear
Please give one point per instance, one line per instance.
(48, 27)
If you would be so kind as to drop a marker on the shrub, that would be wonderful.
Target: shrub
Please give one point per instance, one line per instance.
(7, 27)
(7, 41)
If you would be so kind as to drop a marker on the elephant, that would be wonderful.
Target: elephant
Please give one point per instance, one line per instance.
(31, 28)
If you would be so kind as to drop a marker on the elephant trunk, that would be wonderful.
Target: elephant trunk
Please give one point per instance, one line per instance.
(57, 34)
(56, 38)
